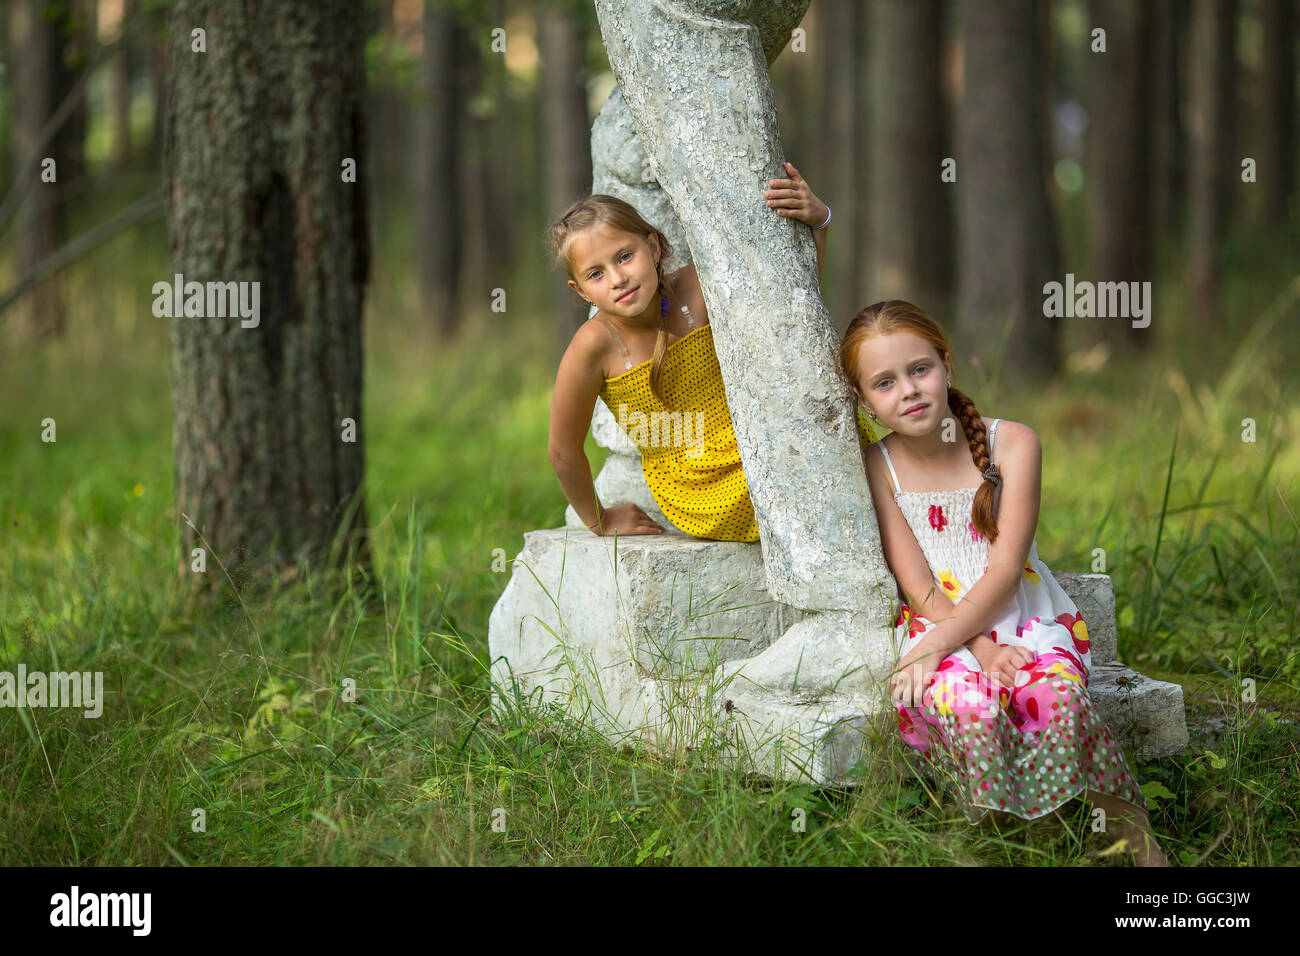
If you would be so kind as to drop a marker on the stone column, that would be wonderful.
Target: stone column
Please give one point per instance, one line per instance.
(694, 76)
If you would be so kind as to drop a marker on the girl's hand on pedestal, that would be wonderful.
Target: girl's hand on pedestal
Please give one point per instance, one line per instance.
(626, 518)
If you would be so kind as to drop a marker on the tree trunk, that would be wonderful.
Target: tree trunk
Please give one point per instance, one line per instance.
(1117, 153)
(909, 225)
(119, 97)
(158, 57)
(505, 131)
(1277, 122)
(1168, 168)
(478, 234)
(1213, 53)
(562, 37)
(1007, 245)
(259, 128)
(840, 139)
(435, 156)
(36, 52)
(77, 37)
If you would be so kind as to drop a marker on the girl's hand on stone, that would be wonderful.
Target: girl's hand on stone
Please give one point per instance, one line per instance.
(626, 518)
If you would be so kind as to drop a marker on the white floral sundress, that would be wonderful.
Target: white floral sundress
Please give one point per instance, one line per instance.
(1042, 742)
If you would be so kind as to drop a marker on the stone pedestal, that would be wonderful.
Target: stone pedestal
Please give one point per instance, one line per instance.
(639, 637)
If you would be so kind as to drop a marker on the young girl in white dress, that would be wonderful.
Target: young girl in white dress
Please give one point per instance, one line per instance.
(993, 681)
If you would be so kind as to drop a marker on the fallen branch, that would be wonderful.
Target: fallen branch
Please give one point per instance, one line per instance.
(139, 211)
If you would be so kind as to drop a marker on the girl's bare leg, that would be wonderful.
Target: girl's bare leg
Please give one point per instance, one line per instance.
(1124, 819)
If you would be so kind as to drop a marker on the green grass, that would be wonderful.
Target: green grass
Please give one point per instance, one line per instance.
(238, 710)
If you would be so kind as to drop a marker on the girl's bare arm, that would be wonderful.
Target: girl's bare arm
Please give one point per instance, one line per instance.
(577, 386)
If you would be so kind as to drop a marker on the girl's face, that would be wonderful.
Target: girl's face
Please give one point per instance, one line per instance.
(617, 272)
(902, 373)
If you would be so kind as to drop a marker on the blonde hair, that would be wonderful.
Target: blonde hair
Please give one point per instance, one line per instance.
(597, 210)
(895, 315)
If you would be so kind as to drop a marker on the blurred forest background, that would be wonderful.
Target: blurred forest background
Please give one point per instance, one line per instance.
(1117, 165)
(1169, 158)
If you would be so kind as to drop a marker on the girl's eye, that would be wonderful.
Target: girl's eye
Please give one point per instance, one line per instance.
(882, 382)
(626, 256)
(920, 367)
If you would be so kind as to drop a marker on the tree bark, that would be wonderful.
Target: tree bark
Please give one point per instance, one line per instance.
(909, 224)
(1006, 237)
(259, 127)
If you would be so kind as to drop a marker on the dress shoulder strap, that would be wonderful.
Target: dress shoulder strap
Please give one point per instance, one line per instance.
(993, 430)
(893, 474)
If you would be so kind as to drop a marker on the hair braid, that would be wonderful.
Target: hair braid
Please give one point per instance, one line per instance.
(977, 437)
(661, 341)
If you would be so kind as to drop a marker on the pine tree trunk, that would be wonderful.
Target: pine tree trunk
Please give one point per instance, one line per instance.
(259, 127)
(909, 212)
(76, 32)
(1209, 102)
(119, 97)
(435, 156)
(840, 138)
(1006, 238)
(1168, 133)
(158, 56)
(1277, 122)
(1117, 185)
(36, 52)
(477, 233)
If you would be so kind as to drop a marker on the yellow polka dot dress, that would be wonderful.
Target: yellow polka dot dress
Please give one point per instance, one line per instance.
(689, 453)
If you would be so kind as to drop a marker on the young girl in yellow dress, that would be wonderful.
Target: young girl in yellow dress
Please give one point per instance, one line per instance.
(648, 353)
(993, 684)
